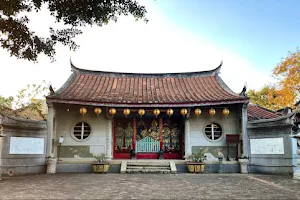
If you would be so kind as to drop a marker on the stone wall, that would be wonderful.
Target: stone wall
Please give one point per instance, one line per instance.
(19, 164)
(283, 163)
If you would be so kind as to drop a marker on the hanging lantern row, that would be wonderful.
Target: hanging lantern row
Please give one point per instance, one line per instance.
(156, 112)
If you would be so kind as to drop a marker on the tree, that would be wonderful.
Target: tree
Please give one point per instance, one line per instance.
(288, 74)
(286, 91)
(271, 98)
(21, 42)
(32, 94)
(6, 101)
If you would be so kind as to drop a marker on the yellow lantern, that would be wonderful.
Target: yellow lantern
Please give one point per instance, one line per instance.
(197, 111)
(170, 112)
(112, 111)
(141, 112)
(83, 110)
(183, 111)
(212, 112)
(97, 111)
(156, 112)
(126, 112)
(225, 111)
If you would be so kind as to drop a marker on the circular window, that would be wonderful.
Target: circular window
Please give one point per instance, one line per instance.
(213, 131)
(82, 131)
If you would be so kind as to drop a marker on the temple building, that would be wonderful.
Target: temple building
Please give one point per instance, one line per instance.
(146, 116)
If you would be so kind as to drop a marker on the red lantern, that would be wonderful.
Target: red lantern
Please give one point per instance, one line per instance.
(212, 112)
(156, 112)
(225, 111)
(112, 111)
(126, 112)
(97, 111)
(83, 110)
(197, 111)
(170, 112)
(183, 111)
(141, 112)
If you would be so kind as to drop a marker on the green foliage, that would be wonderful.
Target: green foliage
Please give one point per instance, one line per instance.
(198, 157)
(17, 38)
(34, 93)
(100, 158)
(33, 96)
(6, 101)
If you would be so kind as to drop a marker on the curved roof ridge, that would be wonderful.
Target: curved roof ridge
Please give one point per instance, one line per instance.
(212, 72)
(225, 87)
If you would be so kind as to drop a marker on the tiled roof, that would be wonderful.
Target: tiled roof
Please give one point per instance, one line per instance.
(256, 112)
(132, 89)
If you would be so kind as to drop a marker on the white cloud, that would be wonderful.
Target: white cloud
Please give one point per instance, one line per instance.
(130, 46)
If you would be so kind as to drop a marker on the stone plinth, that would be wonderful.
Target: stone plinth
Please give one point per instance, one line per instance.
(51, 165)
(244, 165)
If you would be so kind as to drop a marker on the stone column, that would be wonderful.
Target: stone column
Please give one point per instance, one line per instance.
(187, 146)
(296, 174)
(109, 139)
(1, 146)
(50, 129)
(244, 131)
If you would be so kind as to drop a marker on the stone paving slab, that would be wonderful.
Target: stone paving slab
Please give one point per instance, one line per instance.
(149, 186)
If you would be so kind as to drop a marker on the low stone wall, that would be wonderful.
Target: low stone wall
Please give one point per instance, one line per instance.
(22, 163)
(273, 163)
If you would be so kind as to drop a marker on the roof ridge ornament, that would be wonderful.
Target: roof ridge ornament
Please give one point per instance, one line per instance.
(217, 70)
(73, 68)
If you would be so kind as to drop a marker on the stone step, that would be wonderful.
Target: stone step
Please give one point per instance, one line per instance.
(148, 167)
(156, 171)
(148, 164)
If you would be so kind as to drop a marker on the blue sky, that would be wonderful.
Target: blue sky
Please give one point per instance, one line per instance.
(261, 30)
(249, 36)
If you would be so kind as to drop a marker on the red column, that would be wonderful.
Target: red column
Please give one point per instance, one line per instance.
(134, 133)
(160, 133)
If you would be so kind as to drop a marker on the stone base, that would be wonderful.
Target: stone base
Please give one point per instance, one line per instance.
(51, 165)
(296, 174)
(244, 165)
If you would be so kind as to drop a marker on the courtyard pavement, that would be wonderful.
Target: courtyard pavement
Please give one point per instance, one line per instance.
(149, 186)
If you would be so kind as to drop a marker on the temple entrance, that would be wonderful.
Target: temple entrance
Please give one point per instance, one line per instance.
(146, 138)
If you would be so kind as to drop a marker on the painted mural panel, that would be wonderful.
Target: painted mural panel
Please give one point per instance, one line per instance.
(171, 135)
(123, 135)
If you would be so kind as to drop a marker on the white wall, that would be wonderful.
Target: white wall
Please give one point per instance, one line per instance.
(66, 120)
(229, 125)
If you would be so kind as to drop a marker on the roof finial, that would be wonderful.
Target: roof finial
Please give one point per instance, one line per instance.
(243, 93)
(73, 68)
(217, 70)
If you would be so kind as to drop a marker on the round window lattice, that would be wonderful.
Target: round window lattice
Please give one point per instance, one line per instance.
(213, 131)
(82, 131)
